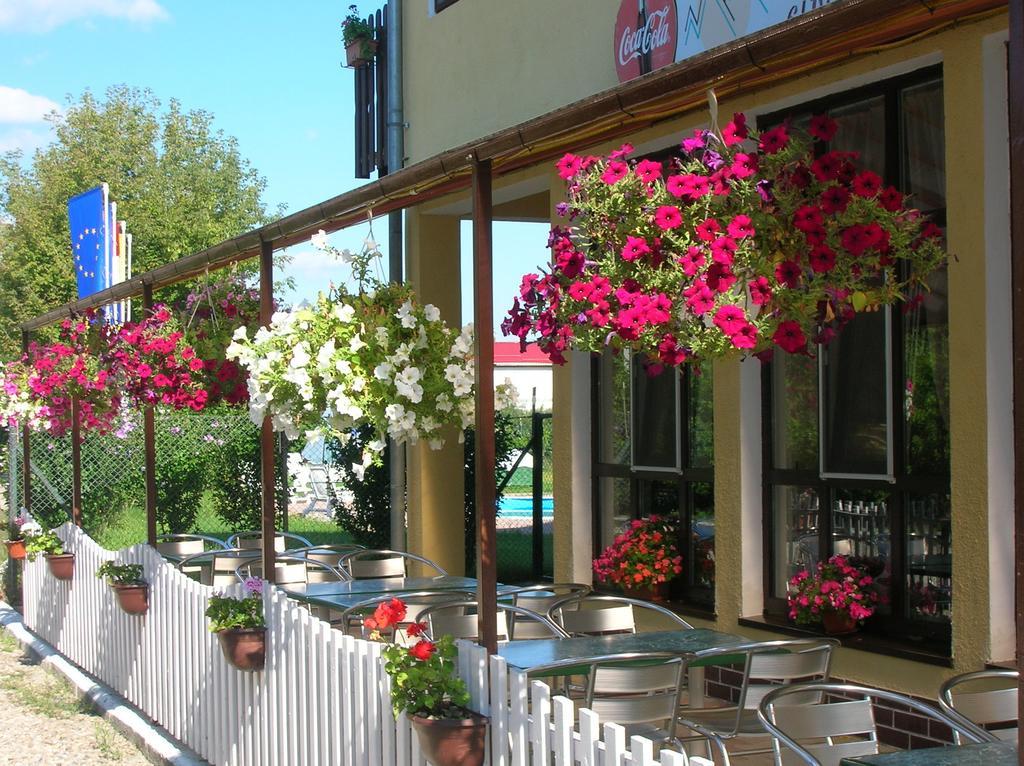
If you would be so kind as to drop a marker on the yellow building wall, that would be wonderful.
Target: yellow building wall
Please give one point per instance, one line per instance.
(482, 65)
(494, 100)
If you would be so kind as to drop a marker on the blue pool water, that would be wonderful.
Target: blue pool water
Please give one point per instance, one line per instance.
(522, 507)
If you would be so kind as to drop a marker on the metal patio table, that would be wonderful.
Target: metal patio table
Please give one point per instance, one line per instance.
(342, 595)
(568, 656)
(987, 753)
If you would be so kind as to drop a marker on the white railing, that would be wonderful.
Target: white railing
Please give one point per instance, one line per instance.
(323, 697)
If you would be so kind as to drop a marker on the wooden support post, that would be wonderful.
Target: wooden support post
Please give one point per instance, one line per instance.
(1016, 129)
(483, 317)
(26, 448)
(76, 462)
(267, 434)
(149, 439)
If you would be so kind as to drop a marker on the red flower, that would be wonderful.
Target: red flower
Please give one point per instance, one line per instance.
(745, 337)
(835, 199)
(790, 337)
(416, 629)
(735, 131)
(730, 319)
(708, 230)
(423, 650)
(867, 184)
(741, 226)
(668, 217)
(774, 140)
(615, 172)
(760, 291)
(891, 199)
(634, 248)
(823, 127)
(744, 165)
(649, 171)
(569, 166)
(787, 273)
(822, 259)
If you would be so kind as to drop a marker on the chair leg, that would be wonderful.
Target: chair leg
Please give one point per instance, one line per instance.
(720, 746)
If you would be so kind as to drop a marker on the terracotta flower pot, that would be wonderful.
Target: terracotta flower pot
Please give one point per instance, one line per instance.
(452, 741)
(838, 623)
(359, 53)
(657, 592)
(133, 598)
(62, 565)
(15, 549)
(245, 648)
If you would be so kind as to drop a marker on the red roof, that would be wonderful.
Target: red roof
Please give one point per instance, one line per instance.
(507, 352)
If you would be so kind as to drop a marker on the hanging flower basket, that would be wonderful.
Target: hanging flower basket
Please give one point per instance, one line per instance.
(375, 357)
(744, 243)
(61, 565)
(15, 549)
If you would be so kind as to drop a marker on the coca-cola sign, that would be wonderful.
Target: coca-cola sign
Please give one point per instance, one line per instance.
(645, 36)
(654, 33)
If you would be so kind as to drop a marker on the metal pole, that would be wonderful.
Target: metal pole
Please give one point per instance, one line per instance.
(538, 493)
(11, 576)
(1016, 129)
(483, 315)
(149, 439)
(26, 448)
(76, 462)
(267, 434)
(395, 145)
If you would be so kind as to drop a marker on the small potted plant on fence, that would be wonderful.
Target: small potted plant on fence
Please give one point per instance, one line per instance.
(61, 563)
(127, 583)
(21, 527)
(425, 685)
(837, 595)
(642, 560)
(357, 34)
(240, 627)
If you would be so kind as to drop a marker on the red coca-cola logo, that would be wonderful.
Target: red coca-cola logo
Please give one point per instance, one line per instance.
(645, 36)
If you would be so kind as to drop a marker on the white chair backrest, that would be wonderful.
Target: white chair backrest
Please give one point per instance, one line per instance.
(448, 623)
(853, 721)
(180, 547)
(630, 694)
(372, 569)
(257, 542)
(995, 702)
(605, 620)
(224, 567)
(769, 669)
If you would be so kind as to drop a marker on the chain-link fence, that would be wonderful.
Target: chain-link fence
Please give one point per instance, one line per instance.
(207, 472)
(526, 506)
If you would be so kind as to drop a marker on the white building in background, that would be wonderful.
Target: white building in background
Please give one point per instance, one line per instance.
(529, 372)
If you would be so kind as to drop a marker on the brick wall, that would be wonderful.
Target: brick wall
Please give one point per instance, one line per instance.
(898, 725)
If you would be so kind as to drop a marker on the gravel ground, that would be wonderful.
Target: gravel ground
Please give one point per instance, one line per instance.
(42, 721)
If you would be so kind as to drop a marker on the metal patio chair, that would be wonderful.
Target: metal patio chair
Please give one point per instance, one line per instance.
(832, 726)
(371, 564)
(598, 615)
(767, 665)
(458, 619)
(540, 598)
(326, 554)
(350, 620)
(993, 710)
(253, 538)
(217, 567)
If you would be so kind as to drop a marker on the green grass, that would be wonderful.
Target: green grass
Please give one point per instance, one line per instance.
(48, 696)
(8, 643)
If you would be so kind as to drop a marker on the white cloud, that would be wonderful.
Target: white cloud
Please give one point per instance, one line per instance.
(20, 106)
(25, 139)
(43, 15)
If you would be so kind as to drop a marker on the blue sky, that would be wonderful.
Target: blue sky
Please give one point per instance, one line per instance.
(268, 71)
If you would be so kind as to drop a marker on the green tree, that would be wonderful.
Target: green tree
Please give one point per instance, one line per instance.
(181, 185)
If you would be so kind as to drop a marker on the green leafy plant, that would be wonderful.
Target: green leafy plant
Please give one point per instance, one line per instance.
(644, 554)
(46, 543)
(354, 28)
(228, 612)
(424, 676)
(120, 574)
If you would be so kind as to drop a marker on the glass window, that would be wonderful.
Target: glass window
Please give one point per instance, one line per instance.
(873, 485)
(700, 407)
(613, 410)
(655, 401)
(856, 400)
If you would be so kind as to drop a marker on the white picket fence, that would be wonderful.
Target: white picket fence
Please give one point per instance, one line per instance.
(323, 697)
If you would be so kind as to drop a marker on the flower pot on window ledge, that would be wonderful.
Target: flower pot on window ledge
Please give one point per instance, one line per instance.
(245, 648)
(15, 549)
(838, 623)
(62, 565)
(360, 52)
(657, 592)
(452, 741)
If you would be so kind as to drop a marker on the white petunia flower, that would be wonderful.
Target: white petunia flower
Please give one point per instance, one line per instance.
(382, 337)
(325, 354)
(382, 371)
(356, 344)
(343, 312)
(406, 316)
(431, 312)
(241, 333)
(319, 240)
(407, 384)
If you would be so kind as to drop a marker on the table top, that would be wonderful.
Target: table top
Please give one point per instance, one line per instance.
(559, 656)
(989, 753)
(342, 595)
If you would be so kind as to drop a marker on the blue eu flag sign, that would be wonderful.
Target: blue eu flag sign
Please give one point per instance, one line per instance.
(90, 239)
